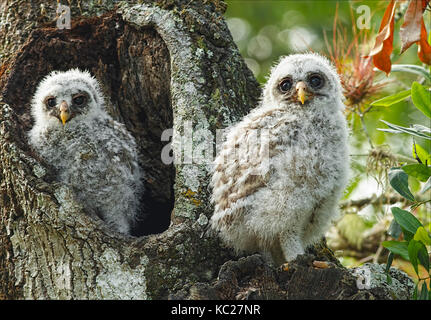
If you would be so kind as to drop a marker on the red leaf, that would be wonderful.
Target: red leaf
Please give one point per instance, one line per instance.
(424, 4)
(424, 50)
(410, 31)
(383, 47)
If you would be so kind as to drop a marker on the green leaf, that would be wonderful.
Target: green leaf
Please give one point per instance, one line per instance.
(407, 235)
(417, 170)
(397, 247)
(424, 257)
(421, 98)
(421, 153)
(399, 181)
(411, 68)
(426, 186)
(388, 267)
(422, 235)
(413, 249)
(392, 99)
(353, 183)
(424, 292)
(415, 292)
(406, 220)
(399, 129)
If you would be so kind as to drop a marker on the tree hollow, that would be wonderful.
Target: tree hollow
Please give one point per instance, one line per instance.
(133, 67)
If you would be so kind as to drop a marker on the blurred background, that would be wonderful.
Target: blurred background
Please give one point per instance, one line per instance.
(266, 30)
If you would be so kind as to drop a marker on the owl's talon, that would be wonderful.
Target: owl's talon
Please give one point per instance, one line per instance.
(321, 264)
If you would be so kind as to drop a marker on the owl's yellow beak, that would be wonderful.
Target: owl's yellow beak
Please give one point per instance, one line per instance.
(64, 112)
(301, 90)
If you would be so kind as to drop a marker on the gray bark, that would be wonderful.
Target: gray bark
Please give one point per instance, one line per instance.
(162, 64)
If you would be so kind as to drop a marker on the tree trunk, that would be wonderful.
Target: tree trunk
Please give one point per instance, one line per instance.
(162, 64)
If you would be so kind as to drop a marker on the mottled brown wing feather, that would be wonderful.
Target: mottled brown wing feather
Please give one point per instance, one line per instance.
(240, 183)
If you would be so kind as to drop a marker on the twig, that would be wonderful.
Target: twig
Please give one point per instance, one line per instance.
(379, 250)
(398, 157)
(401, 158)
(416, 154)
(382, 199)
(366, 259)
(419, 203)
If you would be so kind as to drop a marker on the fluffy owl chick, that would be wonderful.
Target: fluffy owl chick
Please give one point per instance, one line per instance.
(93, 154)
(283, 200)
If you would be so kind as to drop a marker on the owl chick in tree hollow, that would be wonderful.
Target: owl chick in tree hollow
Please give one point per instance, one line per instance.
(292, 203)
(93, 154)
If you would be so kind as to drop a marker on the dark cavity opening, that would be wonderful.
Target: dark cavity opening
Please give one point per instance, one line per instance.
(133, 67)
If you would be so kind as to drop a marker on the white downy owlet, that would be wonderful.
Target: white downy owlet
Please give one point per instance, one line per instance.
(293, 202)
(93, 154)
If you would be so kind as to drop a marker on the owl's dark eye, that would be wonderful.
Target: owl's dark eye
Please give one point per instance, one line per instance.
(79, 100)
(51, 102)
(285, 85)
(316, 81)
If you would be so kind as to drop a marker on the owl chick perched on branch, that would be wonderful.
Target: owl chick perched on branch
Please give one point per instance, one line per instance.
(291, 204)
(93, 154)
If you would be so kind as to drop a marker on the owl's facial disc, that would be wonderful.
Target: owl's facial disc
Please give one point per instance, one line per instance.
(302, 90)
(69, 106)
(295, 92)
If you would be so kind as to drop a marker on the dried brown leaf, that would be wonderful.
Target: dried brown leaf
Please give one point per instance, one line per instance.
(424, 51)
(383, 47)
(410, 31)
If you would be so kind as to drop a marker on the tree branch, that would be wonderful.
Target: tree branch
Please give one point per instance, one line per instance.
(382, 199)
